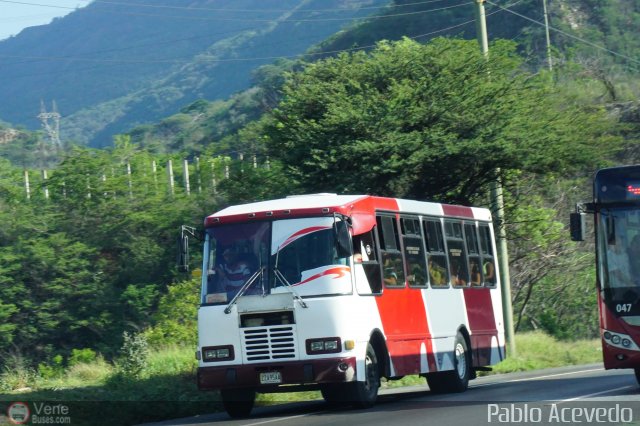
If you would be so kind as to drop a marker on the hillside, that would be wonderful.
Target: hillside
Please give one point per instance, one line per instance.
(110, 66)
(593, 75)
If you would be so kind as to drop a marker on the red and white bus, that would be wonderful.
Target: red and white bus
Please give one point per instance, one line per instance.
(616, 212)
(335, 292)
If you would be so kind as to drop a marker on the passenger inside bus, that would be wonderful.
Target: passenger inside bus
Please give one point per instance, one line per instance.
(392, 276)
(233, 272)
(457, 274)
(489, 271)
(476, 277)
(437, 273)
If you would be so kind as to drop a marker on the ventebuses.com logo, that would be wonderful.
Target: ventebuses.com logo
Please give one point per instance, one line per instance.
(18, 413)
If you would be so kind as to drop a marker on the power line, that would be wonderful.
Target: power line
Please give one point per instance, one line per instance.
(154, 44)
(216, 60)
(156, 6)
(297, 56)
(222, 60)
(597, 46)
(176, 61)
(287, 20)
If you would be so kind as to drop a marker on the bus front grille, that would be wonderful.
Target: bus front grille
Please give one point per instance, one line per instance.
(269, 343)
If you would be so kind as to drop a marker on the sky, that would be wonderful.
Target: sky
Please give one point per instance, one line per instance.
(19, 14)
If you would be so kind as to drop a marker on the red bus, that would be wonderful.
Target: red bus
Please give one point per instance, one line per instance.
(335, 292)
(616, 212)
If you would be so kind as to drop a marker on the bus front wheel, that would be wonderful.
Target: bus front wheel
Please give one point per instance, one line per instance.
(364, 394)
(238, 403)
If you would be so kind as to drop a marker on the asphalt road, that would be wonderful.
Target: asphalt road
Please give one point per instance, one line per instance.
(572, 395)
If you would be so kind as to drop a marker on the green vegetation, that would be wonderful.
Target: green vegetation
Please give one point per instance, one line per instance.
(429, 121)
(90, 299)
(95, 259)
(152, 73)
(140, 64)
(539, 350)
(165, 387)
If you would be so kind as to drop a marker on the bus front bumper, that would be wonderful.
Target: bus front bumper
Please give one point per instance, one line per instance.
(620, 358)
(307, 372)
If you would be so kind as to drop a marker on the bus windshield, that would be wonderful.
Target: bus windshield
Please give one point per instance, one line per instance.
(296, 255)
(620, 248)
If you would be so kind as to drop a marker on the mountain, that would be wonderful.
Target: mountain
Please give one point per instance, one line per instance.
(583, 37)
(113, 65)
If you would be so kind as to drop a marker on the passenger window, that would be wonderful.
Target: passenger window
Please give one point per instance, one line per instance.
(365, 253)
(436, 255)
(392, 263)
(414, 252)
(475, 270)
(488, 259)
(458, 267)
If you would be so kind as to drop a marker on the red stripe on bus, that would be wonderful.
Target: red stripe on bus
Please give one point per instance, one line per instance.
(482, 322)
(404, 318)
(457, 211)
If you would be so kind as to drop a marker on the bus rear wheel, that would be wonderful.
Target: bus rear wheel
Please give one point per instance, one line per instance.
(456, 380)
(238, 403)
(364, 394)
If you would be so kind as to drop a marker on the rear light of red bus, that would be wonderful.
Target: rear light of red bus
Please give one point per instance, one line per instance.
(325, 345)
(217, 353)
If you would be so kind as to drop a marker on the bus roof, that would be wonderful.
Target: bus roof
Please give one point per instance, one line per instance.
(350, 205)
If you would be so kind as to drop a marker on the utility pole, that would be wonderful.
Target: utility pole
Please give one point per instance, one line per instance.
(497, 202)
(481, 27)
(546, 27)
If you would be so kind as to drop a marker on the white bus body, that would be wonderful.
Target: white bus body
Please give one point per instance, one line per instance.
(334, 292)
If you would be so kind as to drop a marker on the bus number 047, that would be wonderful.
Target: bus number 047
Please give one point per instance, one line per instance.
(623, 307)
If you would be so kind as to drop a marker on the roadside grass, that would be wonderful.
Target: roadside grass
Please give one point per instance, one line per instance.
(534, 351)
(97, 393)
(538, 350)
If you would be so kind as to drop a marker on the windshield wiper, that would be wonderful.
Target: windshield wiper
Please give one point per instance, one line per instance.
(283, 280)
(244, 288)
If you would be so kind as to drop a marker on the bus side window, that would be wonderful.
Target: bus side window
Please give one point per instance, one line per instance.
(392, 263)
(366, 254)
(488, 260)
(458, 265)
(437, 258)
(414, 252)
(475, 270)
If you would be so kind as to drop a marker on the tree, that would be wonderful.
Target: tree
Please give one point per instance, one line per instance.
(552, 280)
(57, 293)
(427, 121)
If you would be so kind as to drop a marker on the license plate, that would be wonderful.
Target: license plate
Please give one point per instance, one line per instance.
(270, 378)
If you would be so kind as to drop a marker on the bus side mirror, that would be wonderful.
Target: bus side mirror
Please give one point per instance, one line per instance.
(183, 253)
(577, 226)
(183, 246)
(343, 239)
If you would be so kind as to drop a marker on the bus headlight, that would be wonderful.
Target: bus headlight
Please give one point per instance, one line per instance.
(217, 353)
(326, 345)
(619, 340)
